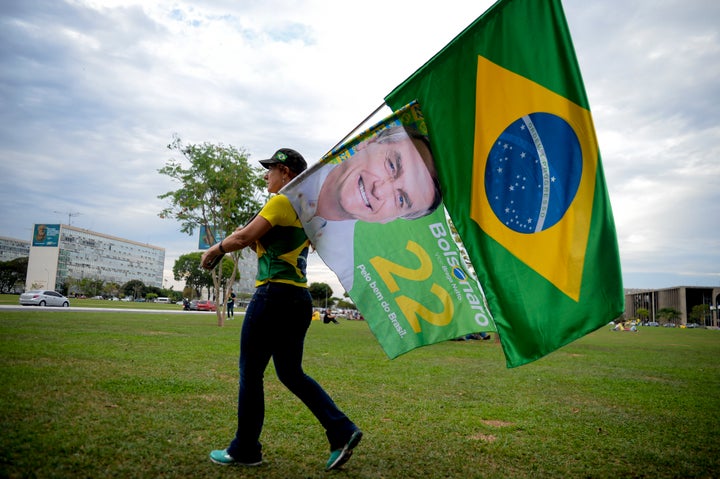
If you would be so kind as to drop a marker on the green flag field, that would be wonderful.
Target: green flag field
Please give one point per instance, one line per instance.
(92, 394)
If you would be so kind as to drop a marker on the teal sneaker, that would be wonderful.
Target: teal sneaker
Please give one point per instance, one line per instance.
(221, 456)
(340, 456)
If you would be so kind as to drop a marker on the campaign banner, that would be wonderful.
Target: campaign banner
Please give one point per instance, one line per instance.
(373, 210)
(46, 235)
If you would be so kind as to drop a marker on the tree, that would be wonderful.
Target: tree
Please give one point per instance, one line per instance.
(12, 272)
(134, 288)
(669, 315)
(219, 190)
(153, 290)
(111, 289)
(321, 294)
(643, 314)
(70, 286)
(90, 286)
(699, 313)
(345, 304)
(187, 268)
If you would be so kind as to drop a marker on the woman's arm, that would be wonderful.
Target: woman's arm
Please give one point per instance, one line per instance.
(240, 238)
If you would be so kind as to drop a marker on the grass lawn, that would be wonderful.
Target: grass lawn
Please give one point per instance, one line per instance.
(104, 394)
(13, 299)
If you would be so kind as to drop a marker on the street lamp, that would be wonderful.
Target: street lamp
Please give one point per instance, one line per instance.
(70, 215)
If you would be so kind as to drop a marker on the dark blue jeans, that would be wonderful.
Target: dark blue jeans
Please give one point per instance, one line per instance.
(275, 325)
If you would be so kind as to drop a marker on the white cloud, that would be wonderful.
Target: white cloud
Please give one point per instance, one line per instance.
(91, 92)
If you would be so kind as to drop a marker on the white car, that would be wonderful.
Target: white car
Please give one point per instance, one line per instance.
(43, 298)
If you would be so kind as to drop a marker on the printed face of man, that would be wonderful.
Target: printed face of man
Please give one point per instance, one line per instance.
(379, 183)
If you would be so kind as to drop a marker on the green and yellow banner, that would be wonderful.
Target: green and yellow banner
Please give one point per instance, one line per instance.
(373, 210)
(519, 166)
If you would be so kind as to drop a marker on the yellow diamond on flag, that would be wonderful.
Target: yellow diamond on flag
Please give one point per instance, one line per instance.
(534, 166)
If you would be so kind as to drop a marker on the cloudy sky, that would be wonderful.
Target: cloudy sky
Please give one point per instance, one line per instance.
(92, 91)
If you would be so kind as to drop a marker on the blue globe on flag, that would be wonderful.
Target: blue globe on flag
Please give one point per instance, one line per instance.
(533, 172)
(459, 273)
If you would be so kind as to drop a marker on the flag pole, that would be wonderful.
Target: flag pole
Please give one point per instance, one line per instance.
(355, 129)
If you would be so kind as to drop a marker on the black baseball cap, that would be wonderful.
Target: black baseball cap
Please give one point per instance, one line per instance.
(290, 158)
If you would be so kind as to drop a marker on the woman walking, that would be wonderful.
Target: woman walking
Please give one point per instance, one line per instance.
(276, 322)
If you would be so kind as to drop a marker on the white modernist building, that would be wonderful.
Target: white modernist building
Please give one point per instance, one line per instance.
(58, 252)
(12, 248)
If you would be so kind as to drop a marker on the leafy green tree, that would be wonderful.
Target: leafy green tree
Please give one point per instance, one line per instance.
(188, 292)
(643, 314)
(170, 293)
(111, 289)
(669, 315)
(187, 268)
(699, 313)
(134, 288)
(91, 287)
(345, 304)
(70, 286)
(321, 294)
(219, 189)
(12, 272)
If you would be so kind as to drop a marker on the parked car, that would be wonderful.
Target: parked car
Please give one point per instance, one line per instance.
(43, 297)
(693, 325)
(202, 305)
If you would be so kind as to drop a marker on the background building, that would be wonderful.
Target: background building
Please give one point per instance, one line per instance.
(12, 248)
(680, 298)
(58, 252)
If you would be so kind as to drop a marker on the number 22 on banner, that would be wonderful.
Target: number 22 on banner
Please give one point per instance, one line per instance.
(412, 309)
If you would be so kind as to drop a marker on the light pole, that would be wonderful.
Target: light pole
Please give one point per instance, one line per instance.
(70, 215)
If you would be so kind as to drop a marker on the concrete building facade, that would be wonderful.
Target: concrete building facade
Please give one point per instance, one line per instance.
(58, 252)
(12, 248)
(680, 298)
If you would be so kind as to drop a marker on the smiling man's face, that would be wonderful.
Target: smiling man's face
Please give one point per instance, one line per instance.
(379, 183)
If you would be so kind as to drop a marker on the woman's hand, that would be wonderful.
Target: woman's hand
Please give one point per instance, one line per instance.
(211, 257)
(242, 237)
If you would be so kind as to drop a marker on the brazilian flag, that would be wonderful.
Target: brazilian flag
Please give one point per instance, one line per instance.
(519, 166)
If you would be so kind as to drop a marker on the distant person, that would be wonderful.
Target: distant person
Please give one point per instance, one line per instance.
(328, 317)
(276, 321)
(231, 305)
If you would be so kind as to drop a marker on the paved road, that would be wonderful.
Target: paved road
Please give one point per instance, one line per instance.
(10, 307)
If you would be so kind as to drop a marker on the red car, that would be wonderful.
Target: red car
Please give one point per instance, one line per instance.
(203, 305)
